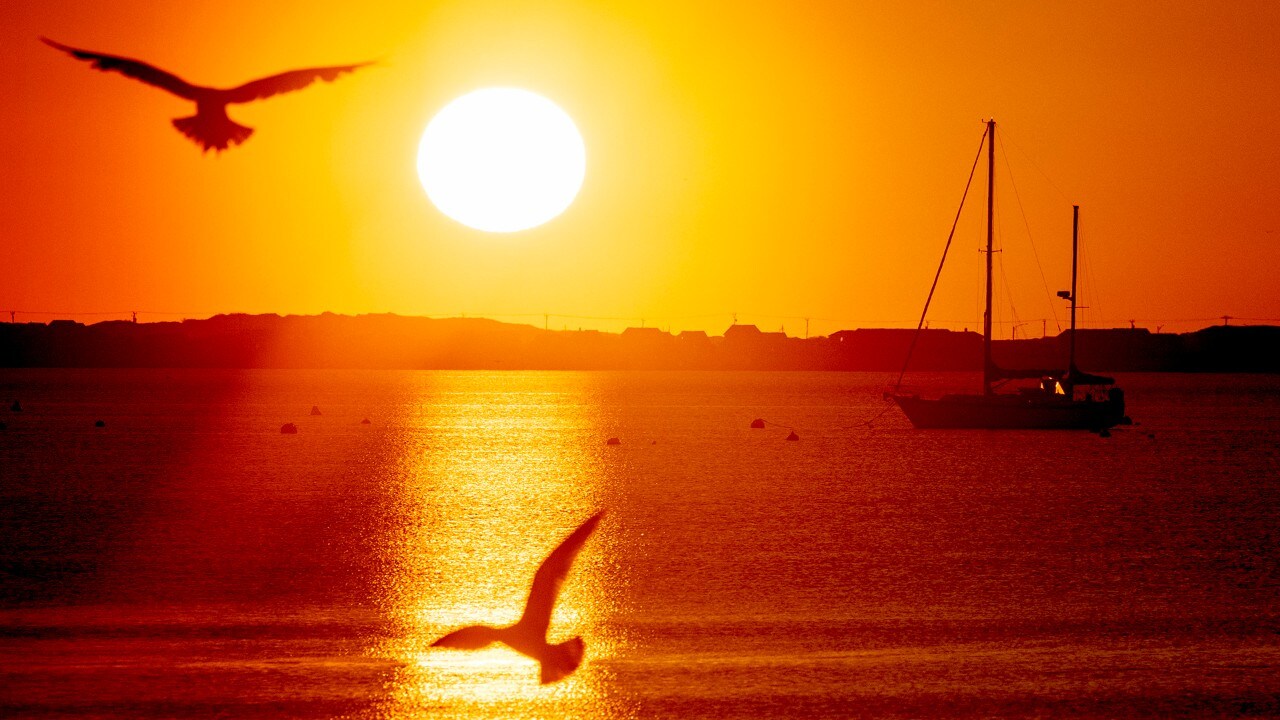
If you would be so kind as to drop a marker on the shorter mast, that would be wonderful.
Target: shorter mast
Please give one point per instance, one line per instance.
(1071, 341)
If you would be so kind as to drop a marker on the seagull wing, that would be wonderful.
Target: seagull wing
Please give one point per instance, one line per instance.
(135, 69)
(551, 575)
(287, 82)
(473, 637)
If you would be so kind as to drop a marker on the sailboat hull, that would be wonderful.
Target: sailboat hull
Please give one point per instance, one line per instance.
(1011, 412)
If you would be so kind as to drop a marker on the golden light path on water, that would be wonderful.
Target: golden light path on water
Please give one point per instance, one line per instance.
(490, 483)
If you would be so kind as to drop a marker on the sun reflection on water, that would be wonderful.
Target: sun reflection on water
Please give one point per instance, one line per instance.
(489, 485)
(494, 678)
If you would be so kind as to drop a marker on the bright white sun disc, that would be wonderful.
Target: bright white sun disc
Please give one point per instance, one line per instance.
(501, 160)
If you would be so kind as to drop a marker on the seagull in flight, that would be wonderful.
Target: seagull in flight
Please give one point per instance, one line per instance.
(210, 128)
(528, 635)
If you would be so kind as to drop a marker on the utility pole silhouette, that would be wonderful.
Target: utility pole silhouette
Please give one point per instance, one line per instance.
(12, 315)
(806, 328)
(135, 317)
(1226, 319)
(546, 320)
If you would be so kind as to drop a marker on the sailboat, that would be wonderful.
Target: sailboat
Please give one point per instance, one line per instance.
(1054, 404)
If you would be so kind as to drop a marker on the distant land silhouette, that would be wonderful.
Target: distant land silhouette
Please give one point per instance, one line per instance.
(393, 341)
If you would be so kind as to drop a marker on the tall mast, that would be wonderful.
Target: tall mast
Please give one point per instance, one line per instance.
(986, 317)
(1075, 254)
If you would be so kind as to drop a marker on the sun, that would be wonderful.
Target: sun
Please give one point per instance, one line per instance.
(502, 160)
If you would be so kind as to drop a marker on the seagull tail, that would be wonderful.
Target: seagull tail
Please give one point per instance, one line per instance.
(561, 660)
(212, 131)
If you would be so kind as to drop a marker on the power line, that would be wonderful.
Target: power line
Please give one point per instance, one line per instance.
(97, 313)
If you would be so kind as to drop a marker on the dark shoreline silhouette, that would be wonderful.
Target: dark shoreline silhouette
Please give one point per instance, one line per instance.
(401, 342)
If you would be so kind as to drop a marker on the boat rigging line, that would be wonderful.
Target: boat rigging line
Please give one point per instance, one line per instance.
(950, 236)
(1049, 296)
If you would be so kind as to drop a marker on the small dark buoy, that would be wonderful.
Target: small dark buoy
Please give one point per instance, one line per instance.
(613, 441)
(1104, 433)
(757, 424)
(315, 409)
(653, 442)
(100, 423)
(1126, 420)
(793, 436)
(3, 426)
(16, 406)
(288, 429)
(365, 421)
(1151, 436)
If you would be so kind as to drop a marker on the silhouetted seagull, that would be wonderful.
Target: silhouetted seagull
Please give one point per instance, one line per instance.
(529, 634)
(210, 127)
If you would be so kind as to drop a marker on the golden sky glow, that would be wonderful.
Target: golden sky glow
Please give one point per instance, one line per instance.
(779, 160)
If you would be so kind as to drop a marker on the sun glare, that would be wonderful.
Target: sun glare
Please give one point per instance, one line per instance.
(501, 160)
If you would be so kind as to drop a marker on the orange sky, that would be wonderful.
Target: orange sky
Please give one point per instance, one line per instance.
(779, 160)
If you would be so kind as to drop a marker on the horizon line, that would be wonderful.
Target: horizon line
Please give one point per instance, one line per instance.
(662, 323)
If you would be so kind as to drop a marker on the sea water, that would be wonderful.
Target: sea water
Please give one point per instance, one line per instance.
(189, 560)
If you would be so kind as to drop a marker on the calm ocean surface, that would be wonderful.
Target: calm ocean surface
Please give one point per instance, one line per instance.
(188, 560)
